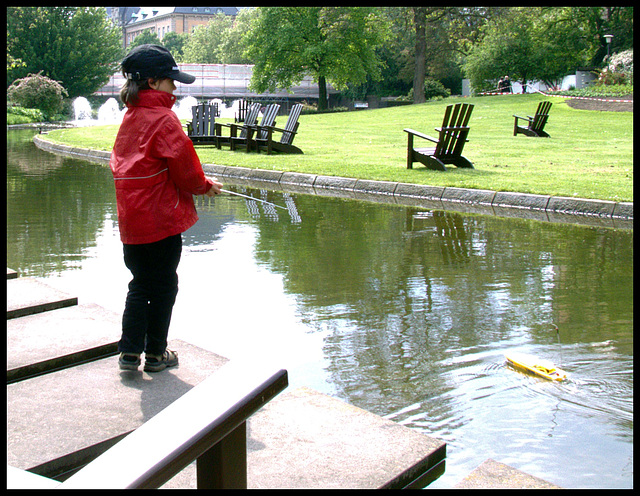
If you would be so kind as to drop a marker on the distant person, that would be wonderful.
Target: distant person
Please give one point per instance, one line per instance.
(501, 85)
(156, 171)
(506, 84)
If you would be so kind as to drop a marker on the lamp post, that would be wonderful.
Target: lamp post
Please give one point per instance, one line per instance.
(608, 38)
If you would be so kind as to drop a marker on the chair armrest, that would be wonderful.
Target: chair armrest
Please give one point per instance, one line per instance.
(528, 118)
(270, 129)
(421, 135)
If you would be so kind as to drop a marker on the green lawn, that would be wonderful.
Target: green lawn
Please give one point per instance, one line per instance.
(589, 154)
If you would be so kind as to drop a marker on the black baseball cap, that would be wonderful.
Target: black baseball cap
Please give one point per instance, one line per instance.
(153, 61)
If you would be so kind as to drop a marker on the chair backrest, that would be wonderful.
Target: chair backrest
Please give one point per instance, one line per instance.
(251, 118)
(203, 120)
(292, 125)
(268, 119)
(454, 130)
(541, 117)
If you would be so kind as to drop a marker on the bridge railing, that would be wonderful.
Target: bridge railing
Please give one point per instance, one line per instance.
(207, 424)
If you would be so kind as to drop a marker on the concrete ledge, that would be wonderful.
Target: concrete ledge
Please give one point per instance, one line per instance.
(265, 175)
(494, 475)
(600, 208)
(376, 187)
(304, 439)
(479, 196)
(520, 200)
(216, 170)
(50, 340)
(575, 206)
(378, 191)
(296, 182)
(240, 172)
(419, 191)
(56, 419)
(623, 210)
(298, 178)
(333, 182)
(26, 296)
(520, 213)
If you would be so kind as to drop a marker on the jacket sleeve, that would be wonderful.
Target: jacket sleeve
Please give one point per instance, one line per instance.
(176, 148)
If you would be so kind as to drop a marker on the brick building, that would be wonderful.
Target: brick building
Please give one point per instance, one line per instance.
(163, 20)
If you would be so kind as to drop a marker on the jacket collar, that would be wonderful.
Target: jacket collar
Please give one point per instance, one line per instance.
(155, 98)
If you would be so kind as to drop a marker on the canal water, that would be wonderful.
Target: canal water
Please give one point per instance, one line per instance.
(403, 311)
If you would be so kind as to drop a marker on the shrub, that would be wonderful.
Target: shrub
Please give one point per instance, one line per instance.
(432, 89)
(39, 92)
(619, 71)
(30, 114)
(622, 62)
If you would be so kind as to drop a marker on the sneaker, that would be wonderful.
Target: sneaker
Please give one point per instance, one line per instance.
(156, 363)
(129, 361)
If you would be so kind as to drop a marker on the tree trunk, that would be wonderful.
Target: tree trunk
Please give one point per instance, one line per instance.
(420, 21)
(322, 93)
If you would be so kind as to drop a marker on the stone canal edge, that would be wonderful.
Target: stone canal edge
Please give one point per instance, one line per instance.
(508, 204)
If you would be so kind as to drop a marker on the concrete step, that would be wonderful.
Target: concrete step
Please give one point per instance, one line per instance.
(63, 419)
(491, 474)
(27, 295)
(47, 341)
(303, 439)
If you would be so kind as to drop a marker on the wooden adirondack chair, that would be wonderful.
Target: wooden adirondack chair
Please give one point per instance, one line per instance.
(449, 144)
(535, 126)
(201, 127)
(285, 145)
(250, 120)
(256, 132)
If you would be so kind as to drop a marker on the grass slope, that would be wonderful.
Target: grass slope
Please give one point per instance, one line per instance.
(589, 154)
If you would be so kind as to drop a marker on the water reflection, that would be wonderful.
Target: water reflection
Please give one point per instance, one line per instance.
(401, 311)
(55, 207)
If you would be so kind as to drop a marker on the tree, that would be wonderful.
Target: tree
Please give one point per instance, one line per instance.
(507, 48)
(332, 44)
(77, 46)
(545, 43)
(144, 38)
(174, 42)
(206, 44)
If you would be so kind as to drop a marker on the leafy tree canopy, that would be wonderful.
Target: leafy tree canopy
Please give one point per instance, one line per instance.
(77, 46)
(332, 44)
(544, 43)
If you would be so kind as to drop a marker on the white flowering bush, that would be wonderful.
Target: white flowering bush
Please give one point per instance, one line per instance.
(621, 64)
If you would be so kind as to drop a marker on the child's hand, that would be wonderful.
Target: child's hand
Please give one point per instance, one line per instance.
(216, 189)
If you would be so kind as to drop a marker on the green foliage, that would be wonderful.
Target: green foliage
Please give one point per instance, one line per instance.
(174, 42)
(77, 46)
(38, 92)
(206, 45)
(21, 115)
(542, 43)
(144, 38)
(333, 44)
(435, 89)
(600, 91)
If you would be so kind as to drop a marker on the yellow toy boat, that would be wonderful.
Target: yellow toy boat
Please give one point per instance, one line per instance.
(537, 366)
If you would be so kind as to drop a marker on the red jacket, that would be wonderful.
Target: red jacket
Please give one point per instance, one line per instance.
(156, 171)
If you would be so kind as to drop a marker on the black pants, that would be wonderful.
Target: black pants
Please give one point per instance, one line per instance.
(152, 293)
